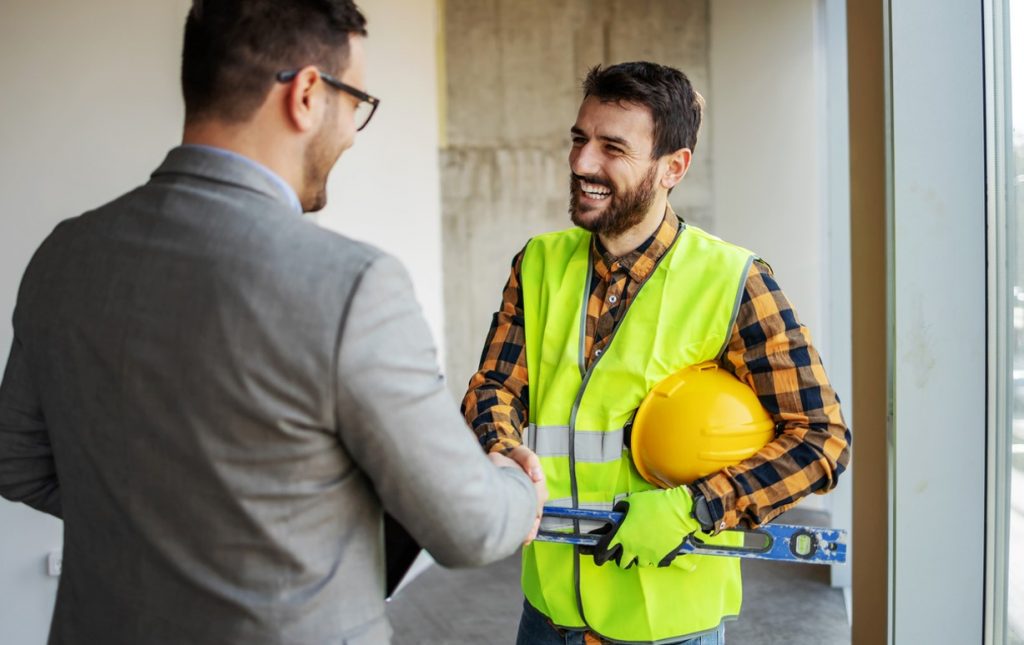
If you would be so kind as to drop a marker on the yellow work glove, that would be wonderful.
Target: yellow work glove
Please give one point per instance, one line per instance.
(656, 524)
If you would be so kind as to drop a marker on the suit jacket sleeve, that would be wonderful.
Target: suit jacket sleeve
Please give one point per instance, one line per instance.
(27, 470)
(399, 422)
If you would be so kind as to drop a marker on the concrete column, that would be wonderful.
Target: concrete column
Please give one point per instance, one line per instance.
(514, 69)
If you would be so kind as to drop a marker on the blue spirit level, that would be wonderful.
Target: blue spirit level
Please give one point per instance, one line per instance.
(780, 542)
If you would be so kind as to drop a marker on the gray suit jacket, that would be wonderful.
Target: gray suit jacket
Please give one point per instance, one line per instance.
(221, 399)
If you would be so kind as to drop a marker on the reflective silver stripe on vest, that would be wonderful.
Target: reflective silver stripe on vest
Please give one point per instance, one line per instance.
(591, 446)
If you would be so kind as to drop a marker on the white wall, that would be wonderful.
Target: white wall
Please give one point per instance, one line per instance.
(766, 131)
(386, 190)
(938, 334)
(838, 349)
(90, 105)
(767, 120)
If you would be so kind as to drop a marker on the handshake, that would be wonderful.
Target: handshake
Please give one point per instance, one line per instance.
(524, 458)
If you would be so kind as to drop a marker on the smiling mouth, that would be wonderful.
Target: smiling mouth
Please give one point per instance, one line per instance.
(594, 191)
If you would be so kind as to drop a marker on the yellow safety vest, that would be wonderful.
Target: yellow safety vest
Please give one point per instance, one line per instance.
(682, 315)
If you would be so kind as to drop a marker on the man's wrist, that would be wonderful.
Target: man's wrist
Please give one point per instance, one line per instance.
(504, 446)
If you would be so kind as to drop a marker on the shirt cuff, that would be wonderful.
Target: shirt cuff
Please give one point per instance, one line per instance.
(701, 511)
(504, 445)
(715, 505)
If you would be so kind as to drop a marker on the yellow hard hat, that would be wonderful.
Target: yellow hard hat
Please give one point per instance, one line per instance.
(696, 422)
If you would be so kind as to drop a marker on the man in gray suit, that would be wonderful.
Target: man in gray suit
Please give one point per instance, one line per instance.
(221, 399)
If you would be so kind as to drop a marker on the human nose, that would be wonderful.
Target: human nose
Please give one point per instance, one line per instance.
(583, 160)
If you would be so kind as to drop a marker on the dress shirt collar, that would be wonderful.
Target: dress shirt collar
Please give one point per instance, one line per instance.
(286, 190)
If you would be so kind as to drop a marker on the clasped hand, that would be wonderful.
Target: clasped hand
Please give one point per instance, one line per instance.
(524, 458)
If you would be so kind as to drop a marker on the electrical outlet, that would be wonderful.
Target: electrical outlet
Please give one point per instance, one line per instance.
(54, 562)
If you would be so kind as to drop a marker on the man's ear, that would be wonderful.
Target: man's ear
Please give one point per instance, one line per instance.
(300, 106)
(678, 164)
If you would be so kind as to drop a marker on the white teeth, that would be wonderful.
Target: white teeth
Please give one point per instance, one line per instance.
(594, 191)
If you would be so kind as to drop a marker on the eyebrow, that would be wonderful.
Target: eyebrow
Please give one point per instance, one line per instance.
(605, 137)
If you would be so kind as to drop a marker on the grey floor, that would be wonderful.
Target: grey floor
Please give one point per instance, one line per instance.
(782, 603)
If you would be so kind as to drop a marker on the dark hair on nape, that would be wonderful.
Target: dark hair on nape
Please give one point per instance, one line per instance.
(675, 107)
(233, 49)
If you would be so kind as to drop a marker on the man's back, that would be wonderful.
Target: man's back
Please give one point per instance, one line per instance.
(223, 433)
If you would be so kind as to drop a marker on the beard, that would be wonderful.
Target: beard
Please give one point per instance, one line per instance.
(624, 210)
(321, 155)
(316, 170)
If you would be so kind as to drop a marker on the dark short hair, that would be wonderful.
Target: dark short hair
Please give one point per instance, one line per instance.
(675, 107)
(234, 48)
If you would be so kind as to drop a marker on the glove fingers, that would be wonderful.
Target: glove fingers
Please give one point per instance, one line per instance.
(609, 547)
(604, 529)
(671, 555)
(602, 555)
(627, 559)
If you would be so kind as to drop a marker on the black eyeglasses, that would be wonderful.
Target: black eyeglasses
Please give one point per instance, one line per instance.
(367, 104)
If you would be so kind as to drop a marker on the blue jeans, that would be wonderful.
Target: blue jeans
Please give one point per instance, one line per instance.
(534, 629)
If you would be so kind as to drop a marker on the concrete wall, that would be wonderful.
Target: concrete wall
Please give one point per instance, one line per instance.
(90, 106)
(514, 69)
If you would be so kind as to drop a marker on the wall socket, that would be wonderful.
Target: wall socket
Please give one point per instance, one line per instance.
(54, 562)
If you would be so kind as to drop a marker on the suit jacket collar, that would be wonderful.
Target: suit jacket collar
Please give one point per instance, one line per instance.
(230, 168)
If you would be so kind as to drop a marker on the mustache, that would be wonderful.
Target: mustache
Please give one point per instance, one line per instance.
(591, 179)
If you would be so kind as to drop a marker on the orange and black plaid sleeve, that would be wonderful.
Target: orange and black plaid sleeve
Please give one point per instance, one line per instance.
(771, 351)
(496, 404)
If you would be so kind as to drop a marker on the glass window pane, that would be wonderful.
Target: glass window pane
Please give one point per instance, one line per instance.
(1015, 562)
